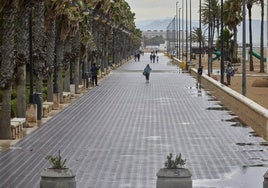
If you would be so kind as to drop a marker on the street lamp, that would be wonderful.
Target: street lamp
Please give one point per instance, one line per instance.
(177, 45)
(179, 33)
(222, 45)
(244, 50)
(200, 35)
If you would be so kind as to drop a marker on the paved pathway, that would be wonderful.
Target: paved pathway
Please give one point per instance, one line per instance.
(118, 135)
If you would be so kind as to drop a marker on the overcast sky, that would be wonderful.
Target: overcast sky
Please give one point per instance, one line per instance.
(161, 9)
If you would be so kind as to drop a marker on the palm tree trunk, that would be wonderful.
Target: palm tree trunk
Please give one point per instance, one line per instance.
(51, 38)
(22, 51)
(251, 67)
(7, 52)
(59, 58)
(38, 41)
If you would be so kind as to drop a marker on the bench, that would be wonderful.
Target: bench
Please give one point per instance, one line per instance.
(66, 97)
(50, 105)
(47, 108)
(17, 125)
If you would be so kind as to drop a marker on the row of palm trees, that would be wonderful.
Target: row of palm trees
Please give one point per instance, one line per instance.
(57, 41)
(232, 18)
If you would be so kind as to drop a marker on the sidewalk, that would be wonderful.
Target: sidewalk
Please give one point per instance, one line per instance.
(118, 134)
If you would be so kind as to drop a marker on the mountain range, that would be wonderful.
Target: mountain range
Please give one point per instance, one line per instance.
(162, 25)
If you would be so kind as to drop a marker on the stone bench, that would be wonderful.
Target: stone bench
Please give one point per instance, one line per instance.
(50, 105)
(66, 97)
(46, 110)
(17, 125)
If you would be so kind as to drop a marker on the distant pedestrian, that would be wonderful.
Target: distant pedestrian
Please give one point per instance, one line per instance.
(146, 72)
(230, 71)
(94, 74)
(199, 75)
(151, 57)
(154, 57)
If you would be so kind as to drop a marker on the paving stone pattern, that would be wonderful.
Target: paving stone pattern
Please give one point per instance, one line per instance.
(118, 134)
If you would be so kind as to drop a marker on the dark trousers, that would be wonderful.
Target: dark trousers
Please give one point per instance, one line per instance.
(95, 80)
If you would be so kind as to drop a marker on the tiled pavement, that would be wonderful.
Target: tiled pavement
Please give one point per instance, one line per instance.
(117, 135)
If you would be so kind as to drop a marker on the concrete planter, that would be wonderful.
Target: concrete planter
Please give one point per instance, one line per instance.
(57, 178)
(265, 181)
(174, 178)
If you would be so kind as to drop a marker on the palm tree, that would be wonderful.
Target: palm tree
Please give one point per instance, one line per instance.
(211, 20)
(53, 10)
(232, 20)
(7, 27)
(39, 43)
(198, 36)
(22, 49)
(249, 7)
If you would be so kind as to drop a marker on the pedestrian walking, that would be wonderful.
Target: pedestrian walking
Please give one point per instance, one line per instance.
(146, 72)
(199, 75)
(94, 74)
(230, 71)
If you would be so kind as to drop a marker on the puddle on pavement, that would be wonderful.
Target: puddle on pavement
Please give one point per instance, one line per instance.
(220, 108)
(8, 144)
(246, 177)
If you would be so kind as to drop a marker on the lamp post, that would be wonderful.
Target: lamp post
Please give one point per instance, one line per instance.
(186, 30)
(179, 33)
(177, 37)
(222, 45)
(190, 30)
(182, 29)
(244, 50)
(200, 35)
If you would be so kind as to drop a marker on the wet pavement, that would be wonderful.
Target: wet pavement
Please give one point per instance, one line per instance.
(118, 134)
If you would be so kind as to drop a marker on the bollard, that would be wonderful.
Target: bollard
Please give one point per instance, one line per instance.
(174, 178)
(265, 181)
(38, 101)
(57, 178)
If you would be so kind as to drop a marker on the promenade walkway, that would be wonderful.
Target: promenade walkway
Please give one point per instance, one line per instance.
(118, 134)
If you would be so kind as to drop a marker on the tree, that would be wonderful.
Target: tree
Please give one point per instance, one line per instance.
(232, 20)
(249, 7)
(7, 65)
(199, 36)
(21, 57)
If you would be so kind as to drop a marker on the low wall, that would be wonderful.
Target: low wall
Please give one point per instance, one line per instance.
(249, 112)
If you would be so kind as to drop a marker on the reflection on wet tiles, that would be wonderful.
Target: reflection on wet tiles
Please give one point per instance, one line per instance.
(153, 138)
(220, 108)
(254, 134)
(246, 177)
(264, 143)
(244, 144)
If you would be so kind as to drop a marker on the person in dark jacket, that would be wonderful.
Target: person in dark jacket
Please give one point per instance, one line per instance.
(94, 74)
(147, 72)
(199, 75)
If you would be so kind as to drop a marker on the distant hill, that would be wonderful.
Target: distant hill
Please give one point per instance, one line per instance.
(162, 25)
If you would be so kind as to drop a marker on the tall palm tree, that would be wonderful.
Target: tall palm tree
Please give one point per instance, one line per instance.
(199, 36)
(249, 7)
(22, 48)
(53, 10)
(39, 43)
(232, 20)
(7, 65)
